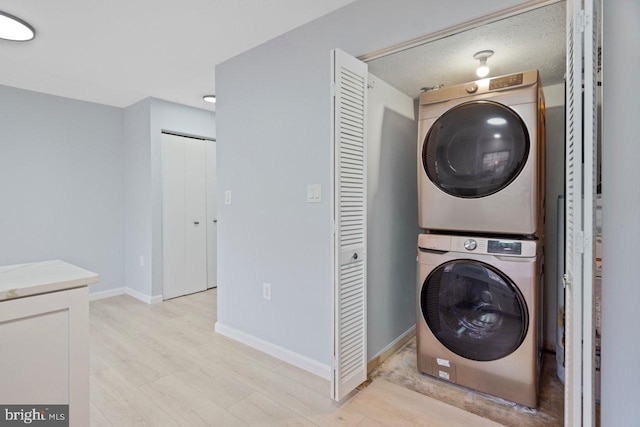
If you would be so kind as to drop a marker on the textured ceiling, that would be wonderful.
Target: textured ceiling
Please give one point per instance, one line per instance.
(531, 40)
(117, 52)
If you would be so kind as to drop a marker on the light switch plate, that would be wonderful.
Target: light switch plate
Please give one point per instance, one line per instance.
(314, 193)
(227, 197)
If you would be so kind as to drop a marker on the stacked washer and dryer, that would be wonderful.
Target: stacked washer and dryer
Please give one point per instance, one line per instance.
(481, 206)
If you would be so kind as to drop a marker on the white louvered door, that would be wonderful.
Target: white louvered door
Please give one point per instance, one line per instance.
(581, 170)
(350, 260)
(573, 226)
(590, 136)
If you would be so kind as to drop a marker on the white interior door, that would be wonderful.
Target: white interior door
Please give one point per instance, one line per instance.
(581, 156)
(184, 221)
(349, 198)
(212, 217)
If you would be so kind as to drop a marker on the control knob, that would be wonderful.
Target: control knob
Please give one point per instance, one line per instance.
(470, 244)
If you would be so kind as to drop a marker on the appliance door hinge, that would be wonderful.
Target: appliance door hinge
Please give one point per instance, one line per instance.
(579, 242)
(565, 281)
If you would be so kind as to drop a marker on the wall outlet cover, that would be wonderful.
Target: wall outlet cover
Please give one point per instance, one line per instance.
(314, 193)
(266, 291)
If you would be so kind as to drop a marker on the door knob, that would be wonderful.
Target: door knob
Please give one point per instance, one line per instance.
(355, 256)
(215, 221)
(196, 222)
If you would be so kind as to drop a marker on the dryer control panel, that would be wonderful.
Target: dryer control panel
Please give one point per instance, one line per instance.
(478, 245)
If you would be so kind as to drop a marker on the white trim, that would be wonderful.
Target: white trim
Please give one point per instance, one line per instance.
(291, 357)
(456, 29)
(93, 296)
(125, 291)
(142, 297)
(409, 332)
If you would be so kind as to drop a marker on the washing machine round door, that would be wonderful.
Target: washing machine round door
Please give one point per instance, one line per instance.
(474, 310)
(475, 149)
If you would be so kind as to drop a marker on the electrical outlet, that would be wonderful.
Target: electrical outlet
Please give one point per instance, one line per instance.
(227, 197)
(141, 261)
(266, 291)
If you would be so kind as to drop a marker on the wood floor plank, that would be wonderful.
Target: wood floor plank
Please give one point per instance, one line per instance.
(186, 405)
(96, 418)
(144, 410)
(390, 404)
(215, 385)
(314, 382)
(258, 410)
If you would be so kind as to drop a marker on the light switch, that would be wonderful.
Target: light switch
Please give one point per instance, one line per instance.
(314, 193)
(227, 197)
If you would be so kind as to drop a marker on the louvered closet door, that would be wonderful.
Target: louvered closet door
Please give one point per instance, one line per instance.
(350, 296)
(591, 28)
(581, 157)
(573, 209)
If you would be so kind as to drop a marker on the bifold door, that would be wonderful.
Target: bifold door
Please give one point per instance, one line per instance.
(581, 158)
(184, 216)
(349, 367)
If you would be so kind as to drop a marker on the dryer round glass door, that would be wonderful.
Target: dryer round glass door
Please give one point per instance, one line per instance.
(475, 149)
(474, 310)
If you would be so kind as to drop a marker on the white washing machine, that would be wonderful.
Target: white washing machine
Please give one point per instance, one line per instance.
(481, 156)
(479, 314)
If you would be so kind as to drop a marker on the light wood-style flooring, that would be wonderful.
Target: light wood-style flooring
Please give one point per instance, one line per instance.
(163, 365)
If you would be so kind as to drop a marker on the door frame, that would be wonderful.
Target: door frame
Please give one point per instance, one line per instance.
(503, 14)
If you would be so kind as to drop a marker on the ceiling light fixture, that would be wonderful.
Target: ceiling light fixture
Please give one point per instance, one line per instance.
(209, 98)
(483, 69)
(15, 29)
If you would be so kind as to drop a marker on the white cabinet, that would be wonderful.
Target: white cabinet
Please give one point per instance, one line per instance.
(186, 171)
(44, 336)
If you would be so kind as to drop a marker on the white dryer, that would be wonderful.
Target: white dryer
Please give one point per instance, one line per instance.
(479, 313)
(481, 157)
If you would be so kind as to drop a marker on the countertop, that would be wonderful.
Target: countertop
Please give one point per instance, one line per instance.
(21, 280)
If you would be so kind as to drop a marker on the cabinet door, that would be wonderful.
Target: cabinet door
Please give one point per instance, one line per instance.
(44, 349)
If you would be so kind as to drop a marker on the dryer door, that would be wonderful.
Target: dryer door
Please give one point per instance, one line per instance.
(475, 149)
(474, 310)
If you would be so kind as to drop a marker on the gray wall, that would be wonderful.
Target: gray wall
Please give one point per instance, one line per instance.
(554, 187)
(61, 177)
(392, 217)
(621, 218)
(137, 197)
(273, 117)
(144, 123)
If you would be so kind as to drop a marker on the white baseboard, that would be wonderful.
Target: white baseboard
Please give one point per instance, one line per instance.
(144, 298)
(291, 357)
(125, 291)
(107, 294)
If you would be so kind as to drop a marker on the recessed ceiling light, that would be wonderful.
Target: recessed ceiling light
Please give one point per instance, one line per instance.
(209, 98)
(15, 29)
